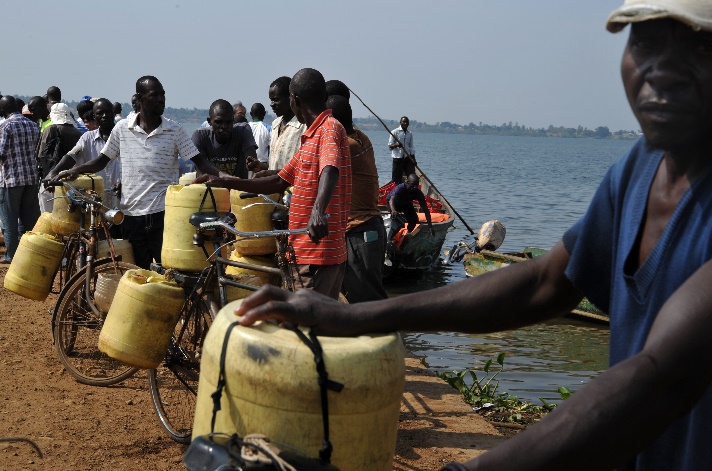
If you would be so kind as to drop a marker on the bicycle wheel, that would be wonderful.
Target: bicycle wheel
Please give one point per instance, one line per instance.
(174, 384)
(76, 332)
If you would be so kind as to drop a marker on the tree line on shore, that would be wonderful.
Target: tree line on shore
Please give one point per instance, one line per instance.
(197, 115)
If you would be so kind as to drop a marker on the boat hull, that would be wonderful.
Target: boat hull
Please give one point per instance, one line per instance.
(479, 263)
(419, 250)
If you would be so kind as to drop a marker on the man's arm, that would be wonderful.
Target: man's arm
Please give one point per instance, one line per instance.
(625, 408)
(266, 186)
(67, 162)
(318, 227)
(207, 167)
(521, 294)
(92, 166)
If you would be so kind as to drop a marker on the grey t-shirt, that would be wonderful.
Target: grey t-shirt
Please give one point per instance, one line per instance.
(229, 157)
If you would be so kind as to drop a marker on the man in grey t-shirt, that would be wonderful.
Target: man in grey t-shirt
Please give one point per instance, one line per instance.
(230, 147)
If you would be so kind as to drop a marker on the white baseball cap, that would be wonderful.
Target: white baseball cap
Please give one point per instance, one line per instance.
(695, 13)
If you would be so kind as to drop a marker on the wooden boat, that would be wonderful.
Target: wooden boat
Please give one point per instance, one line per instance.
(418, 250)
(485, 261)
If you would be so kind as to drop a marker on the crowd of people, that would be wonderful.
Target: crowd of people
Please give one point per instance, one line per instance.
(641, 252)
(141, 155)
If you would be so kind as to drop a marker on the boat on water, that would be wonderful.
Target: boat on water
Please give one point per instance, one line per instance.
(417, 250)
(484, 261)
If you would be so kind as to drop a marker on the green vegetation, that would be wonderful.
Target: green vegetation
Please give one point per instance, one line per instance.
(197, 115)
(506, 129)
(483, 396)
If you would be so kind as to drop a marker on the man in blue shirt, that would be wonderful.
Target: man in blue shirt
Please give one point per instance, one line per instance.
(400, 200)
(642, 253)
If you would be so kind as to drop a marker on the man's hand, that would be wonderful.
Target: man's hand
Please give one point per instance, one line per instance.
(318, 227)
(305, 307)
(253, 164)
(205, 178)
(70, 174)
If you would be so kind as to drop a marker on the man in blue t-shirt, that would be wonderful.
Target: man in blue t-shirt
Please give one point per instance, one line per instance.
(400, 200)
(641, 253)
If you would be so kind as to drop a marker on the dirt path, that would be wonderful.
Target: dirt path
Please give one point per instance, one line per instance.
(80, 427)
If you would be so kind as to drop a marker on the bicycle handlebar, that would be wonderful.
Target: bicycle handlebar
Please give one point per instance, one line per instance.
(78, 196)
(251, 235)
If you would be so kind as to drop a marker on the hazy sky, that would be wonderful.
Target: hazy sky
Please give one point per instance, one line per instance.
(537, 62)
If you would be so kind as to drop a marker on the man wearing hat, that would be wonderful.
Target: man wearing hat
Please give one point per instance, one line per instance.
(642, 253)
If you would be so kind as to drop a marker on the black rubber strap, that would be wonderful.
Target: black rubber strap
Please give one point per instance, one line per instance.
(325, 384)
(221, 377)
(209, 190)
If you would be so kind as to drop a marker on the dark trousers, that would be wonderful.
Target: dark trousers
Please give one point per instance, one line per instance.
(411, 217)
(366, 246)
(402, 166)
(146, 236)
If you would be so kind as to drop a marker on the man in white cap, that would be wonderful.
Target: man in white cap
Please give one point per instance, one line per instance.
(642, 253)
(57, 139)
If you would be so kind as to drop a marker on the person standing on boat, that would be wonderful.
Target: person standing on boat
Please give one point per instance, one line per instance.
(365, 232)
(400, 201)
(642, 252)
(286, 134)
(402, 151)
(229, 146)
(320, 172)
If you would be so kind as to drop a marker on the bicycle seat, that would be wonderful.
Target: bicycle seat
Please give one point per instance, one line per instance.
(198, 218)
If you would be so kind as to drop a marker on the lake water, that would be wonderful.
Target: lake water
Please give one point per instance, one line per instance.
(537, 187)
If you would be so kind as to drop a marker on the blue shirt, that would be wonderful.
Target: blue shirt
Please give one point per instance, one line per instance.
(403, 196)
(602, 242)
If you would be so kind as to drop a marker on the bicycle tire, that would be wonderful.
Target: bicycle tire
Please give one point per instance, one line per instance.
(76, 333)
(174, 384)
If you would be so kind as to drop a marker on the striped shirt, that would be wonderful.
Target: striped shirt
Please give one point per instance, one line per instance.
(18, 139)
(324, 143)
(149, 162)
(284, 142)
(88, 148)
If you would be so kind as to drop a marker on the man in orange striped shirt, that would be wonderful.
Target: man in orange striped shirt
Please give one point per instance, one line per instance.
(321, 174)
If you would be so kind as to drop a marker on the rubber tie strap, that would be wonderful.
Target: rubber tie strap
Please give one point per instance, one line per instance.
(324, 385)
(221, 377)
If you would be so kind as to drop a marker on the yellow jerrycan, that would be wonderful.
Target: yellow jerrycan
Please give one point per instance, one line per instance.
(34, 265)
(247, 276)
(121, 247)
(141, 319)
(178, 250)
(44, 224)
(63, 221)
(253, 219)
(271, 388)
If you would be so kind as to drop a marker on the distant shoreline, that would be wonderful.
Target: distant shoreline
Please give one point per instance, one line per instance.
(198, 116)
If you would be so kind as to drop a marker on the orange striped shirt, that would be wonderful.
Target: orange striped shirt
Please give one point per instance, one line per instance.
(324, 143)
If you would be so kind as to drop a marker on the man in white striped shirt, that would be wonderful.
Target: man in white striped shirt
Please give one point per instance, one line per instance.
(149, 146)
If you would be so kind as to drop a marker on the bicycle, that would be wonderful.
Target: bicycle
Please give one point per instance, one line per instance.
(174, 384)
(77, 318)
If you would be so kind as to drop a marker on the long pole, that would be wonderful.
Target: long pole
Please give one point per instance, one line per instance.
(414, 163)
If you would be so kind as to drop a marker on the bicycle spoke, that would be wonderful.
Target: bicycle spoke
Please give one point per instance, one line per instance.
(76, 334)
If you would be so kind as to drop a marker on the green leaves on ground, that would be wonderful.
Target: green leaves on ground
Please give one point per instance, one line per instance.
(482, 393)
